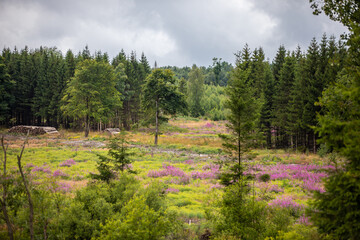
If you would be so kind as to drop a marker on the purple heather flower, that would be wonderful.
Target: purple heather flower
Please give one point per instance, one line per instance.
(172, 190)
(59, 173)
(67, 163)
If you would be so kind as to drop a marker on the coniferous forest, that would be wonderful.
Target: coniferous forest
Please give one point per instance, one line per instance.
(36, 84)
(254, 149)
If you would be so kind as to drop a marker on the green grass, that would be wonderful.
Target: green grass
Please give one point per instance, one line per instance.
(192, 198)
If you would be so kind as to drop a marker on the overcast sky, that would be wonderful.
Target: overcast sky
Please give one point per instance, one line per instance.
(171, 32)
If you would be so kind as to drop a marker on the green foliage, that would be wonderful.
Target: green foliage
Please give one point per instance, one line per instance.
(242, 216)
(323, 150)
(213, 102)
(282, 98)
(337, 211)
(93, 205)
(345, 12)
(298, 232)
(137, 221)
(6, 87)
(118, 160)
(339, 125)
(265, 177)
(267, 110)
(195, 92)
(243, 112)
(91, 94)
(160, 96)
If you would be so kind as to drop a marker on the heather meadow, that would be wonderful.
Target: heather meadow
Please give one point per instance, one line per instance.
(187, 163)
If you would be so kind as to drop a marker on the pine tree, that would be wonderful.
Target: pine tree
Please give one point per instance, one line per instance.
(267, 110)
(278, 63)
(337, 209)
(243, 111)
(6, 99)
(120, 58)
(282, 99)
(145, 64)
(312, 92)
(296, 106)
(70, 65)
(257, 74)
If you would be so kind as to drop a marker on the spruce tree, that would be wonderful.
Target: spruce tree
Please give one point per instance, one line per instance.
(267, 109)
(243, 111)
(282, 100)
(6, 98)
(278, 62)
(337, 209)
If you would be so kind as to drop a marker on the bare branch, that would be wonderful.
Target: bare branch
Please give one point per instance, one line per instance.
(3, 200)
(28, 193)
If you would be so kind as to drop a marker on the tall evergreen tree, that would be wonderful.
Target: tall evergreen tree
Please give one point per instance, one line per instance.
(216, 70)
(257, 74)
(337, 209)
(6, 98)
(243, 111)
(282, 99)
(267, 109)
(278, 63)
(313, 88)
(120, 58)
(70, 65)
(145, 64)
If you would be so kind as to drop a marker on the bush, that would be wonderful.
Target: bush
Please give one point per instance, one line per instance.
(265, 177)
(93, 205)
(243, 217)
(299, 232)
(137, 221)
(323, 150)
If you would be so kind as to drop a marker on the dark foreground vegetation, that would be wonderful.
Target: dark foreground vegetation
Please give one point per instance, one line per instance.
(302, 101)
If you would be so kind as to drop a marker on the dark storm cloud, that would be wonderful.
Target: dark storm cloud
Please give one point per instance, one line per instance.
(170, 32)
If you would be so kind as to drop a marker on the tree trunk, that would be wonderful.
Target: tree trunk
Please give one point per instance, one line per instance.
(314, 143)
(28, 194)
(7, 218)
(3, 201)
(87, 125)
(156, 123)
(269, 145)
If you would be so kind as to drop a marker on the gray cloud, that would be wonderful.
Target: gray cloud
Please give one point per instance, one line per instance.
(170, 32)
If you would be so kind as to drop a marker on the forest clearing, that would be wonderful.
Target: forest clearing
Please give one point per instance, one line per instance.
(106, 145)
(186, 164)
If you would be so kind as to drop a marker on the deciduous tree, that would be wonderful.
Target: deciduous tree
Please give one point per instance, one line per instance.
(91, 93)
(161, 97)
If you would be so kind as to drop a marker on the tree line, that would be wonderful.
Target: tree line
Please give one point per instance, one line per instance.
(288, 89)
(34, 83)
(37, 86)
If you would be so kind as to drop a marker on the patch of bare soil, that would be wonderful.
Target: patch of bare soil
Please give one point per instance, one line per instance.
(84, 143)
